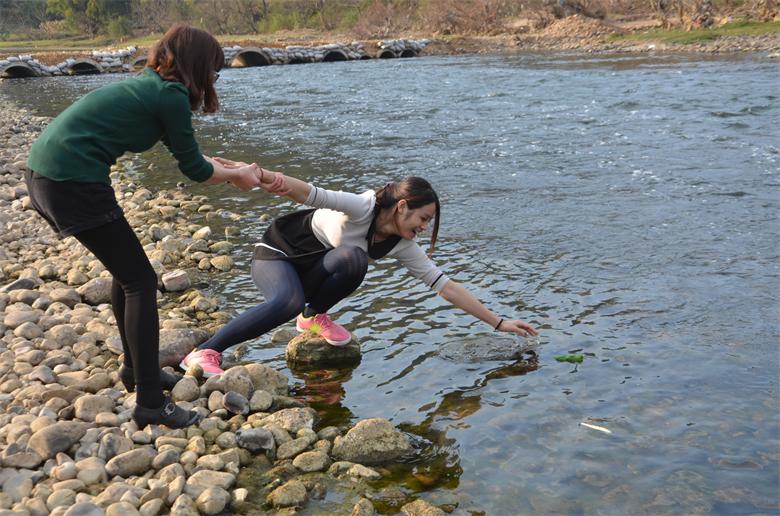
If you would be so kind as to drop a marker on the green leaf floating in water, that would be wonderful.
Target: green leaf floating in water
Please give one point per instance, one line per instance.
(570, 358)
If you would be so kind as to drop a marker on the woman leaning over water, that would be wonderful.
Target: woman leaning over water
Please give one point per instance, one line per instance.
(69, 186)
(309, 260)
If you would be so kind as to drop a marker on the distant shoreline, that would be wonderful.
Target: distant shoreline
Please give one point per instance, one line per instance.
(572, 34)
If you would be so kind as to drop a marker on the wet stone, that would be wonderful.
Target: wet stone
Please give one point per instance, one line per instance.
(372, 441)
(311, 461)
(292, 448)
(363, 508)
(308, 349)
(291, 494)
(268, 379)
(421, 508)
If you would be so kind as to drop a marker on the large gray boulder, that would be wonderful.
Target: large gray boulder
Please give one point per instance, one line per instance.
(96, 291)
(59, 437)
(133, 462)
(292, 419)
(372, 441)
(267, 379)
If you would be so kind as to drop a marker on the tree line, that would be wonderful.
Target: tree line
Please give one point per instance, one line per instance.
(47, 19)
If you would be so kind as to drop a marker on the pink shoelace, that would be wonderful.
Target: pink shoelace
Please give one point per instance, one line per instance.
(325, 322)
(211, 357)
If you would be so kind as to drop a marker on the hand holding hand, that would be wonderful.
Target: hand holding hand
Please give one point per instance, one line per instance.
(229, 163)
(273, 182)
(245, 177)
(517, 326)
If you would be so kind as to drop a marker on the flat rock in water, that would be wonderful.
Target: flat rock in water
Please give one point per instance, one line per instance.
(483, 347)
(308, 349)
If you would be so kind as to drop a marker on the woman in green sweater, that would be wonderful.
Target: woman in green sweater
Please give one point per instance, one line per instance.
(69, 186)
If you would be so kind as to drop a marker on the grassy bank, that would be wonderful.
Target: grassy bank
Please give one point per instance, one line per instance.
(683, 37)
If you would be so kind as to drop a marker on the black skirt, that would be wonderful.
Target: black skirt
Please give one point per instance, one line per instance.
(71, 207)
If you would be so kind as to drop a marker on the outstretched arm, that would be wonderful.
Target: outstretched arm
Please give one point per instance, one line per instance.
(272, 182)
(456, 294)
(243, 177)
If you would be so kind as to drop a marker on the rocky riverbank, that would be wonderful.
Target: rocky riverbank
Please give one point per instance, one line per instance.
(580, 34)
(68, 445)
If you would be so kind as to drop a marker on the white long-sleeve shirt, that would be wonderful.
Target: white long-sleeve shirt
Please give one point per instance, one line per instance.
(344, 218)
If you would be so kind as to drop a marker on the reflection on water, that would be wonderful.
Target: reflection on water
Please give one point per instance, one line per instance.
(626, 206)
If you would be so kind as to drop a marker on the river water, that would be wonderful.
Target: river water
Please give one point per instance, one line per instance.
(626, 206)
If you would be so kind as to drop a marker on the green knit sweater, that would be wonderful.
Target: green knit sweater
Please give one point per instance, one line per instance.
(84, 141)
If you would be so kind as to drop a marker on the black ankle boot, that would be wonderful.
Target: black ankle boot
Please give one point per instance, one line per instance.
(167, 380)
(170, 415)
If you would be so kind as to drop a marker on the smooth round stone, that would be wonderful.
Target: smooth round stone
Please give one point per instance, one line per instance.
(186, 389)
(292, 448)
(84, 509)
(43, 374)
(213, 500)
(72, 484)
(91, 476)
(212, 462)
(122, 508)
(28, 330)
(152, 507)
(226, 440)
(235, 403)
(65, 471)
(166, 458)
(140, 437)
(255, 439)
(197, 444)
(311, 461)
(14, 319)
(291, 494)
(361, 471)
(223, 263)
(107, 419)
(260, 401)
(18, 487)
(61, 498)
(308, 349)
(188, 457)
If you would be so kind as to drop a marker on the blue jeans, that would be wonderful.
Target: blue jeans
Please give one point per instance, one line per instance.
(287, 290)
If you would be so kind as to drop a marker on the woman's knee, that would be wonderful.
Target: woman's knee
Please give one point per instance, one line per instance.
(142, 279)
(287, 307)
(354, 261)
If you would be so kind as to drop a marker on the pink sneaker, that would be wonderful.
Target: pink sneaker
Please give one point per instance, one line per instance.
(320, 324)
(208, 359)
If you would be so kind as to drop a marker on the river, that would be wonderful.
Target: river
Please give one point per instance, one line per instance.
(627, 206)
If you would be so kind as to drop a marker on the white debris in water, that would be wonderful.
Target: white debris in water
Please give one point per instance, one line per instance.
(596, 427)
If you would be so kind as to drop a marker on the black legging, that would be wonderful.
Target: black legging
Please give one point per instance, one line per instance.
(134, 301)
(287, 290)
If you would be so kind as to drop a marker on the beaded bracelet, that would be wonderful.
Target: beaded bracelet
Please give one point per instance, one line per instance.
(499, 324)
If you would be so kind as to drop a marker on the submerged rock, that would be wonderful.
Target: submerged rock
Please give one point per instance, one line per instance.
(372, 441)
(291, 494)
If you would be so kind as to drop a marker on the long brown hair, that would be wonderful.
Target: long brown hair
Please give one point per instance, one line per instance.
(417, 192)
(192, 57)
